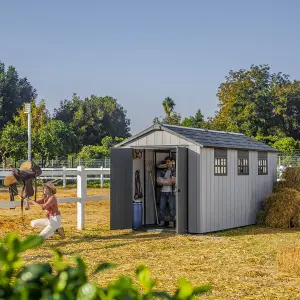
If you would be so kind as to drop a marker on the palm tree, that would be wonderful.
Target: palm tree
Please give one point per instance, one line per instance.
(168, 105)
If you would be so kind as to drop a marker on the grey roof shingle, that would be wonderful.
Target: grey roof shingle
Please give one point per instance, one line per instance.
(219, 139)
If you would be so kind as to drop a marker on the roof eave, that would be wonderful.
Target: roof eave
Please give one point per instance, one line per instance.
(154, 128)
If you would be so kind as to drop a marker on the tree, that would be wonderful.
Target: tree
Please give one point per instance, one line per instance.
(40, 116)
(14, 92)
(54, 140)
(286, 109)
(286, 145)
(194, 122)
(94, 118)
(171, 117)
(248, 102)
(168, 105)
(13, 142)
(97, 152)
(91, 152)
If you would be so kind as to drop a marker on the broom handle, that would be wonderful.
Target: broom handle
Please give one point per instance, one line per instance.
(154, 198)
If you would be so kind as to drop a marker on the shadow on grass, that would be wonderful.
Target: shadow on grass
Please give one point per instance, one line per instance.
(115, 246)
(131, 237)
(251, 230)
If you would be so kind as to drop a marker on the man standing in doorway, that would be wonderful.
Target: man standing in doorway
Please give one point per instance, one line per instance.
(167, 194)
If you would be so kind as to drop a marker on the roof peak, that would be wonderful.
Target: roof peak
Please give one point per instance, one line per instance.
(201, 129)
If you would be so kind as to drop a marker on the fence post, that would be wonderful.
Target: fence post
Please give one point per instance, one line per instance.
(81, 194)
(101, 176)
(64, 177)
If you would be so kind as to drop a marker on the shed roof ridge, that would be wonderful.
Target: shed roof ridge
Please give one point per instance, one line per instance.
(201, 129)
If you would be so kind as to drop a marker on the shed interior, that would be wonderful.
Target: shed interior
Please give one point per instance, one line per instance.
(146, 170)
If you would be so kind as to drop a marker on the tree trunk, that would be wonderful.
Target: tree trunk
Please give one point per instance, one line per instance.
(3, 161)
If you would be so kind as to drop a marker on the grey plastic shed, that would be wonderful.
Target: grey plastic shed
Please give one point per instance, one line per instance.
(222, 178)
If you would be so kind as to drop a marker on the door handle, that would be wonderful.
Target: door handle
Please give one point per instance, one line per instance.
(179, 190)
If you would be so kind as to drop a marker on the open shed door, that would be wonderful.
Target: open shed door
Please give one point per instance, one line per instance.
(121, 185)
(181, 190)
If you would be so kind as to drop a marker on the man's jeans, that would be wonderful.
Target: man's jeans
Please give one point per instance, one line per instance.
(164, 199)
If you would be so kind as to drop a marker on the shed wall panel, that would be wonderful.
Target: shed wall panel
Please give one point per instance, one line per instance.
(233, 200)
(159, 138)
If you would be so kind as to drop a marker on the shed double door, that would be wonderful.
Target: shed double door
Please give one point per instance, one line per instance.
(121, 185)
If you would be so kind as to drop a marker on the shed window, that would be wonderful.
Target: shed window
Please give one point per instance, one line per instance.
(262, 163)
(220, 162)
(243, 162)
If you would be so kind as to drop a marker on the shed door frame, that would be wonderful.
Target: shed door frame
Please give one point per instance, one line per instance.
(182, 190)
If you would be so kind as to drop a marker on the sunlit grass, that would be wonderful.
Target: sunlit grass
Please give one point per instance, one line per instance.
(244, 263)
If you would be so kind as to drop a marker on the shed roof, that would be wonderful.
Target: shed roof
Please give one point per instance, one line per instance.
(208, 138)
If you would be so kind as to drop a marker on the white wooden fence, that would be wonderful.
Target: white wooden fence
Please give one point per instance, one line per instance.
(81, 175)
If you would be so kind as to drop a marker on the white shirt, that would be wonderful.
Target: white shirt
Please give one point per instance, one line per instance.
(167, 188)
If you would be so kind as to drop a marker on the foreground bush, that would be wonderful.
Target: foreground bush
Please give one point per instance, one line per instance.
(64, 281)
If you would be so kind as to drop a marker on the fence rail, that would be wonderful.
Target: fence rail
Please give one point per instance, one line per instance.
(68, 163)
(80, 173)
(64, 174)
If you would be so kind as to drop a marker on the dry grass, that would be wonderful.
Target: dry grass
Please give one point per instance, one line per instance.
(240, 263)
(288, 260)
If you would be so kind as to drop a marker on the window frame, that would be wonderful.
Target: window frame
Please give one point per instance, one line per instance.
(262, 157)
(243, 162)
(220, 161)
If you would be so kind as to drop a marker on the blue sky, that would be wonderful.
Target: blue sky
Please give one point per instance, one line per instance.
(143, 51)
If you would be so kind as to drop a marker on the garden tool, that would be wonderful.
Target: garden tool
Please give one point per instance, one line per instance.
(149, 170)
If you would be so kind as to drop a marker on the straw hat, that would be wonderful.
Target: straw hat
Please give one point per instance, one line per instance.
(9, 180)
(51, 186)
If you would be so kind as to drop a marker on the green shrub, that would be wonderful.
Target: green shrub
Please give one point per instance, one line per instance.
(66, 281)
(97, 184)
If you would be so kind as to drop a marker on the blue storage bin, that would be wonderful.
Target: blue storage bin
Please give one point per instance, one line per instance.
(137, 218)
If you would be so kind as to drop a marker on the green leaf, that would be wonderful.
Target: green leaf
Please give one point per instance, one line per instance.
(62, 281)
(80, 264)
(185, 289)
(57, 260)
(143, 276)
(87, 292)
(160, 295)
(31, 242)
(3, 255)
(202, 289)
(34, 272)
(104, 266)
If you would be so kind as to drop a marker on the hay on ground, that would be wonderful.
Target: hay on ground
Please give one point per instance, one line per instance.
(282, 209)
(290, 179)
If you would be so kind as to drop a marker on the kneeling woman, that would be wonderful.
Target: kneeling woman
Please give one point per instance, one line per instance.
(52, 223)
